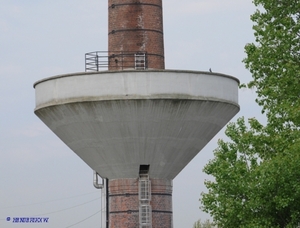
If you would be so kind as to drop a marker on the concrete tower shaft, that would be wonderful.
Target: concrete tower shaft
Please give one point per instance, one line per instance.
(135, 27)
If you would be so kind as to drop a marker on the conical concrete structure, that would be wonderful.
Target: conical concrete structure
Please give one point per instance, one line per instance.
(136, 124)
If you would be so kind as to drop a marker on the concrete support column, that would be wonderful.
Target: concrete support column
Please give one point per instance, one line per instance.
(124, 203)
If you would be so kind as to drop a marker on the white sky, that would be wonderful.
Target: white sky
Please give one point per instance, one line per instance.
(39, 39)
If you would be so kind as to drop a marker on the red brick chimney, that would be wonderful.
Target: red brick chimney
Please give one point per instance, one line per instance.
(125, 205)
(135, 28)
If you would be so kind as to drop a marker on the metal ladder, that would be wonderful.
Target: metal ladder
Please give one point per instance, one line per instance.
(140, 61)
(145, 213)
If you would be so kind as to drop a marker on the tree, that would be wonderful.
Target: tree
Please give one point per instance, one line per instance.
(274, 60)
(257, 174)
(206, 224)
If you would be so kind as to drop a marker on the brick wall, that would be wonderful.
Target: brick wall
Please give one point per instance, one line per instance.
(124, 203)
(136, 26)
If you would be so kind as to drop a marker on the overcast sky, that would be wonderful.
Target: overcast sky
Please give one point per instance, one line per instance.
(41, 38)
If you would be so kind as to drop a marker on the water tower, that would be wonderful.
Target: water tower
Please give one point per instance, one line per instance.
(136, 124)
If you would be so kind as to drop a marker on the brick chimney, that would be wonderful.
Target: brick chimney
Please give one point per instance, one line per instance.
(135, 34)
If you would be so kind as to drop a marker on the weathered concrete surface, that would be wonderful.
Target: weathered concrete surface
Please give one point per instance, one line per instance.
(115, 122)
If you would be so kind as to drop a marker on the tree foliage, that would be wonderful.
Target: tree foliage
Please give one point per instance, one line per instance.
(274, 60)
(206, 224)
(257, 173)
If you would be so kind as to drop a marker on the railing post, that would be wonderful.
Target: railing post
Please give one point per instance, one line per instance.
(97, 62)
(85, 58)
(122, 59)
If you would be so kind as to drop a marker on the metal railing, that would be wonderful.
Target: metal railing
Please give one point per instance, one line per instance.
(115, 60)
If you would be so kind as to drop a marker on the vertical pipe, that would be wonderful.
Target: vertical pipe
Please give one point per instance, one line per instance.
(107, 203)
(104, 205)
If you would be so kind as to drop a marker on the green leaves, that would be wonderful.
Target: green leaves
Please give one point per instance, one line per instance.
(274, 60)
(257, 177)
(206, 224)
(257, 173)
